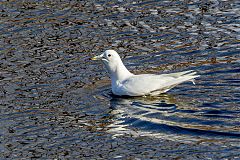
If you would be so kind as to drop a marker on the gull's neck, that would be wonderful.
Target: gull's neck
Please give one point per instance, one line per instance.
(119, 73)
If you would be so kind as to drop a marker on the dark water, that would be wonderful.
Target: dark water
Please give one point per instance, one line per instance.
(57, 104)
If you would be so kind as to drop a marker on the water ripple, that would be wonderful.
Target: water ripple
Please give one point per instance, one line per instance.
(57, 104)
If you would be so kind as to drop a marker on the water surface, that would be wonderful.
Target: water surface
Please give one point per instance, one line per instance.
(56, 103)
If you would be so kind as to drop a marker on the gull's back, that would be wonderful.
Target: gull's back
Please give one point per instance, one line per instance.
(151, 84)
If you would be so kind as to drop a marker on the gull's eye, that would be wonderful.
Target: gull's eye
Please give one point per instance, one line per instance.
(109, 55)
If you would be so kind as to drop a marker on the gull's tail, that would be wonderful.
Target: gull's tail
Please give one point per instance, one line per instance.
(184, 76)
(177, 78)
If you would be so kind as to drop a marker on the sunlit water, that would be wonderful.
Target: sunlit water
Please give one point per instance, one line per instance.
(56, 103)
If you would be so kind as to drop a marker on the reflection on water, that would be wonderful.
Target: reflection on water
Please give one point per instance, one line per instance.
(56, 104)
(168, 115)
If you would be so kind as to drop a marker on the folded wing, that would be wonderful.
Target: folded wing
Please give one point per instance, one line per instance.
(150, 84)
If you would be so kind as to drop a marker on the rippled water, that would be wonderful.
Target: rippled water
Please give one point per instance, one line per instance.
(57, 104)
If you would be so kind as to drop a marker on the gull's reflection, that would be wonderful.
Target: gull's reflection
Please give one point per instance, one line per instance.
(166, 116)
(143, 116)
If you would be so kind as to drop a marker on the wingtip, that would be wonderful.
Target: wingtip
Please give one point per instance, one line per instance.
(193, 81)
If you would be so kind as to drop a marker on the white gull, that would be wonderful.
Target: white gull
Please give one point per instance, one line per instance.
(128, 84)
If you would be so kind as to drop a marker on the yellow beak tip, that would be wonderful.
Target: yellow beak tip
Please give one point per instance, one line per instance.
(94, 58)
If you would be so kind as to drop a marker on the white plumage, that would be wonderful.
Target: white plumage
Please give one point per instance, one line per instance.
(125, 83)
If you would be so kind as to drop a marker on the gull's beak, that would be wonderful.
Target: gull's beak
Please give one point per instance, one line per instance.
(97, 57)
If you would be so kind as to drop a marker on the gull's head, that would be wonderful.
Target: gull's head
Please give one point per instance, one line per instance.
(114, 65)
(110, 58)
